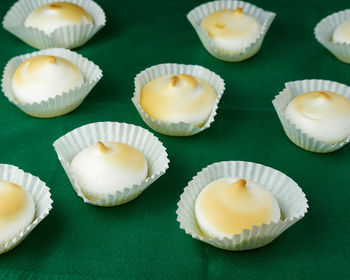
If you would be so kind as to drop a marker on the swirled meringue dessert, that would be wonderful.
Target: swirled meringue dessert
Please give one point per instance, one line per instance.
(232, 29)
(178, 98)
(229, 205)
(105, 168)
(53, 15)
(17, 210)
(42, 77)
(323, 115)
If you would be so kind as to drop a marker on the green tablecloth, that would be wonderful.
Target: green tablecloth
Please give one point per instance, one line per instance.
(142, 238)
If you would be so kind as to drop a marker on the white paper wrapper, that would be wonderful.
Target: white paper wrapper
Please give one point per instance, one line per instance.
(63, 103)
(324, 33)
(64, 37)
(181, 128)
(75, 141)
(290, 197)
(197, 15)
(40, 193)
(298, 137)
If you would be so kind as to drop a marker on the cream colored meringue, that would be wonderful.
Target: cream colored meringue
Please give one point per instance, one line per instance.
(227, 206)
(178, 98)
(42, 77)
(342, 33)
(105, 168)
(322, 115)
(17, 210)
(50, 16)
(232, 29)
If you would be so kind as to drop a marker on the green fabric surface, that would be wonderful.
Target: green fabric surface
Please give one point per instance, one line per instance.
(142, 238)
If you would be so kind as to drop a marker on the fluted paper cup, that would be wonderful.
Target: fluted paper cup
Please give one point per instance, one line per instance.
(63, 103)
(290, 198)
(70, 144)
(68, 37)
(324, 33)
(296, 135)
(197, 15)
(181, 128)
(37, 189)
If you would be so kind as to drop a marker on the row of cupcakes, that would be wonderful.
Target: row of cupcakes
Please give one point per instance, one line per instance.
(290, 201)
(175, 99)
(229, 30)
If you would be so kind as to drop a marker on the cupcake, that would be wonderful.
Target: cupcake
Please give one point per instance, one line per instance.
(333, 33)
(230, 30)
(237, 205)
(24, 202)
(110, 163)
(176, 99)
(49, 83)
(47, 24)
(315, 114)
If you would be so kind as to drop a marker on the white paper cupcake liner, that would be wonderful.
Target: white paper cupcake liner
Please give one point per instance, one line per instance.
(298, 137)
(324, 33)
(80, 138)
(40, 193)
(181, 128)
(63, 103)
(64, 37)
(290, 197)
(197, 15)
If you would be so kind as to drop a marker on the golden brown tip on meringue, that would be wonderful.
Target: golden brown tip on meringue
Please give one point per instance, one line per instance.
(101, 147)
(238, 11)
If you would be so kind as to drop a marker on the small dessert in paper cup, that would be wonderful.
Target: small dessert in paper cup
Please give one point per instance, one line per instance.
(224, 49)
(329, 35)
(289, 196)
(40, 201)
(42, 100)
(70, 145)
(68, 36)
(182, 99)
(337, 133)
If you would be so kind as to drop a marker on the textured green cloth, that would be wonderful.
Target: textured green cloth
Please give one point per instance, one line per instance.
(142, 238)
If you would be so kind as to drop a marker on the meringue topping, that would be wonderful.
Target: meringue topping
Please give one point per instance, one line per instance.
(105, 168)
(229, 205)
(176, 98)
(232, 29)
(50, 16)
(323, 115)
(17, 210)
(12, 200)
(40, 77)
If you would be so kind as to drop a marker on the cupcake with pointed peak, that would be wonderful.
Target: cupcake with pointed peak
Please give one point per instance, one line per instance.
(176, 99)
(111, 163)
(45, 24)
(230, 30)
(315, 114)
(24, 202)
(333, 32)
(237, 205)
(105, 168)
(49, 83)
(41, 77)
(323, 115)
